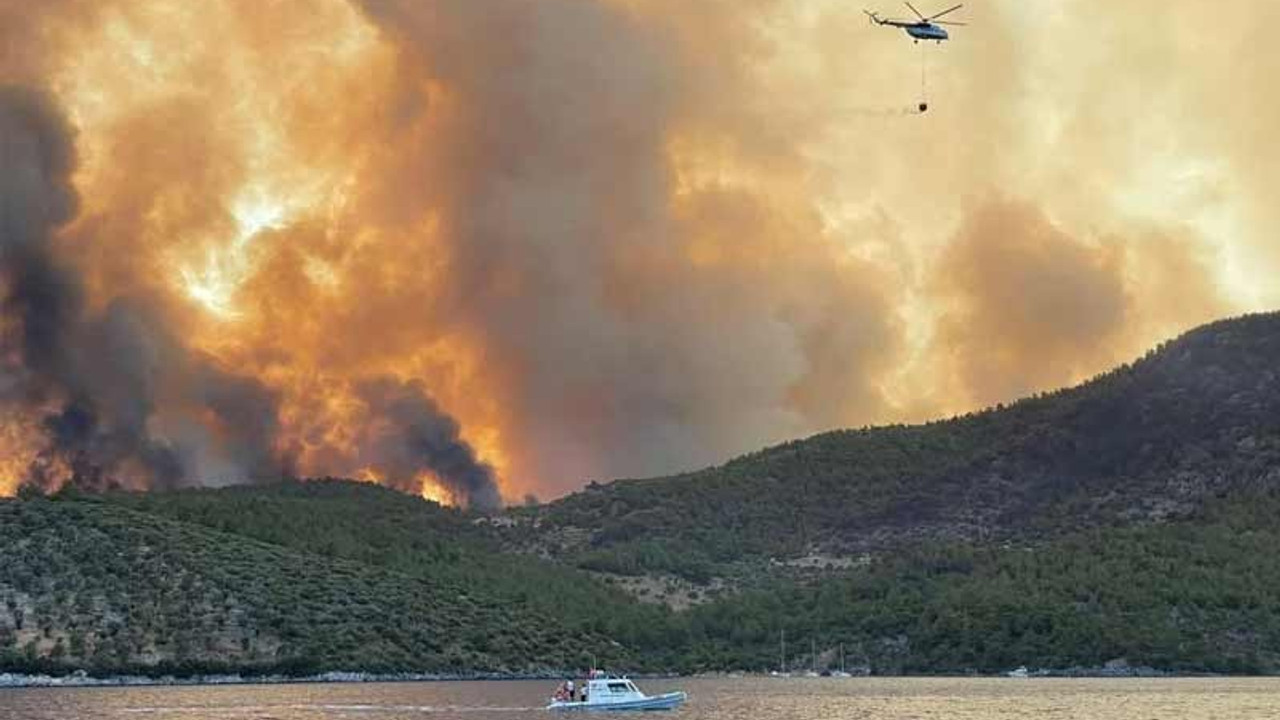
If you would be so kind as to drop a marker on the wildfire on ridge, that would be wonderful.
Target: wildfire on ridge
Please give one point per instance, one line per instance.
(221, 237)
(435, 492)
(244, 240)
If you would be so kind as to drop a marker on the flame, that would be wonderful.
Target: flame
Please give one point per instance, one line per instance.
(431, 487)
(435, 492)
(17, 442)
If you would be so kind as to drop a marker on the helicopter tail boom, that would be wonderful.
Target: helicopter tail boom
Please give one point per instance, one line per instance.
(875, 19)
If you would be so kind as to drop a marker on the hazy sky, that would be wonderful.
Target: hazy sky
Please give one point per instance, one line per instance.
(434, 242)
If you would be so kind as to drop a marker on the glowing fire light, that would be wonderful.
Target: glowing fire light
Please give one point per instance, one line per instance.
(433, 491)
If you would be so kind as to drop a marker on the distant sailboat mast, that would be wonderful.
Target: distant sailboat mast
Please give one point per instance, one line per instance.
(843, 672)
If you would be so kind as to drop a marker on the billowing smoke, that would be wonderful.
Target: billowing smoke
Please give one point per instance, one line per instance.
(1031, 307)
(97, 378)
(471, 246)
(121, 401)
(409, 436)
(629, 246)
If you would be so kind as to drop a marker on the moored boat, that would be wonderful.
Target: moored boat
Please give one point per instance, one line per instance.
(841, 673)
(603, 692)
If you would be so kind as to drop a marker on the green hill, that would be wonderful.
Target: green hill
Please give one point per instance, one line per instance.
(97, 584)
(380, 528)
(93, 584)
(1201, 594)
(1145, 442)
(1133, 518)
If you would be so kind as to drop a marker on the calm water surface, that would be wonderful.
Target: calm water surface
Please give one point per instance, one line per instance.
(758, 699)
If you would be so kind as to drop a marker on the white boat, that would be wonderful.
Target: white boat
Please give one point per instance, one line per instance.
(619, 693)
(1020, 672)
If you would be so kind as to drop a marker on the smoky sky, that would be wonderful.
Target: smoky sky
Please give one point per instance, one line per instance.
(507, 245)
(120, 401)
(95, 379)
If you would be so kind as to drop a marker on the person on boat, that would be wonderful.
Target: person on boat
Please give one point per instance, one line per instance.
(568, 689)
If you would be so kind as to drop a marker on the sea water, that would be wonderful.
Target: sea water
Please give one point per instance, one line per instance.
(718, 699)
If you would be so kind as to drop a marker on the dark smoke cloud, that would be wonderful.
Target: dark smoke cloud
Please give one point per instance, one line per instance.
(104, 375)
(123, 400)
(36, 194)
(410, 435)
(40, 299)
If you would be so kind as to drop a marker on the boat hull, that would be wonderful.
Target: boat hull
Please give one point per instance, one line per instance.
(667, 701)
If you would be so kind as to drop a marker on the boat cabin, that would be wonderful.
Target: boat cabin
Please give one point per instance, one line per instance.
(606, 690)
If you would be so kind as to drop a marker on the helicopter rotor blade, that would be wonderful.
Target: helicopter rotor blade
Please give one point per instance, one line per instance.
(957, 24)
(948, 11)
(917, 12)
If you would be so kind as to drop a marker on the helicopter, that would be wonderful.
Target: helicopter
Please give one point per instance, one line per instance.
(927, 28)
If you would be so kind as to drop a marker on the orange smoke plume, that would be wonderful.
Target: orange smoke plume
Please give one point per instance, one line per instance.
(477, 248)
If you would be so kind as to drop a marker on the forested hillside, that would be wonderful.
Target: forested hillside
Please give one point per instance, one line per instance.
(96, 585)
(93, 584)
(1200, 594)
(1147, 441)
(1131, 519)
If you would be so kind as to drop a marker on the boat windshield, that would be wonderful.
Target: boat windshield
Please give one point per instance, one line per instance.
(621, 687)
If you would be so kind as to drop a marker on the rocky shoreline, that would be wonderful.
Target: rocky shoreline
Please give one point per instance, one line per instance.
(83, 679)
